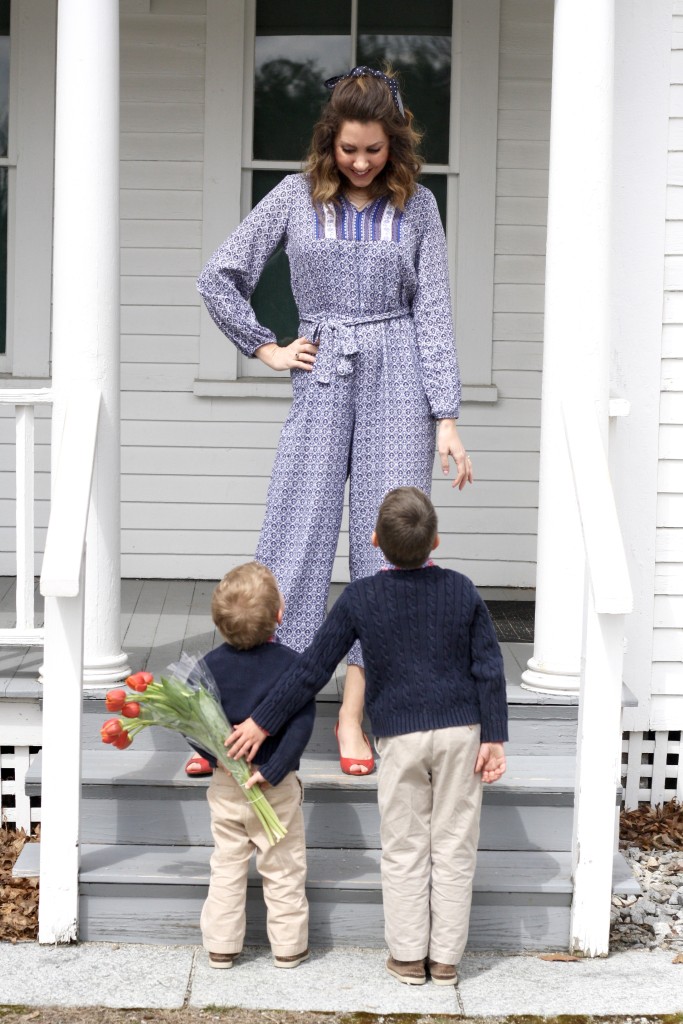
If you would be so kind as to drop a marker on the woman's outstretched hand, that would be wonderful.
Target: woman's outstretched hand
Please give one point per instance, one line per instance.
(449, 445)
(300, 355)
(245, 740)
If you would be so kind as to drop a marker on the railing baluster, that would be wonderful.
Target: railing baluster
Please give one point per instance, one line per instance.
(25, 539)
(24, 401)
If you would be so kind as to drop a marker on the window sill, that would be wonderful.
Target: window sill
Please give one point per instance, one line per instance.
(262, 387)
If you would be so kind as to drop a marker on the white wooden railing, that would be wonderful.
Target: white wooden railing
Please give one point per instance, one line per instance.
(608, 599)
(24, 633)
(61, 583)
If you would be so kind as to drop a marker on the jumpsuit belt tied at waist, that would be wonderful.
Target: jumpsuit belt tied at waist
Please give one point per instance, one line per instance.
(336, 336)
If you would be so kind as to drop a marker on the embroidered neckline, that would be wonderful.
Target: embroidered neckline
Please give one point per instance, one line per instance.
(379, 221)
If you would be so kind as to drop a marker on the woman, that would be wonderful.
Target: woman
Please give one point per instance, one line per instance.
(374, 371)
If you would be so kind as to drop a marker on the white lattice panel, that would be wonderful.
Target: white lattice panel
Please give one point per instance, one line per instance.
(15, 806)
(652, 767)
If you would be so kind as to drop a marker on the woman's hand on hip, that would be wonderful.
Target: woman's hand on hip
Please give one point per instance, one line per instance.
(300, 355)
(449, 446)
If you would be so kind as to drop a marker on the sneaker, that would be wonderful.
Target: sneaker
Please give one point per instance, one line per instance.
(292, 961)
(410, 972)
(222, 961)
(442, 974)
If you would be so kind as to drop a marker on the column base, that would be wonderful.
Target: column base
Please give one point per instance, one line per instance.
(101, 674)
(544, 680)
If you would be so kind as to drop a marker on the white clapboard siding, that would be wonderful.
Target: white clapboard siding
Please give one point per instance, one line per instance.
(509, 326)
(672, 334)
(517, 269)
(162, 146)
(241, 458)
(146, 348)
(667, 646)
(668, 610)
(670, 510)
(149, 262)
(179, 434)
(138, 515)
(479, 547)
(210, 567)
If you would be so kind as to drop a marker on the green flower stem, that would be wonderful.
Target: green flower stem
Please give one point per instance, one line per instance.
(172, 704)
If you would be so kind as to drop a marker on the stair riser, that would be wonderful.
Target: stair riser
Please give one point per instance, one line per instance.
(527, 736)
(169, 915)
(334, 819)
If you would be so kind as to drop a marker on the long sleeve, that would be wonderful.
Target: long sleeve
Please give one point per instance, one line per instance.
(432, 315)
(293, 740)
(310, 673)
(229, 278)
(486, 666)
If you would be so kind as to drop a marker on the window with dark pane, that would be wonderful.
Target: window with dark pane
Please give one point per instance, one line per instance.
(4, 136)
(273, 301)
(416, 40)
(298, 45)
(437, 184)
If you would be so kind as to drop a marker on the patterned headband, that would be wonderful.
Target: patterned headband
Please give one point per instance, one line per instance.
(362, 70)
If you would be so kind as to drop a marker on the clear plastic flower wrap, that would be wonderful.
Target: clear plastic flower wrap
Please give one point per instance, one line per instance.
(186, 700)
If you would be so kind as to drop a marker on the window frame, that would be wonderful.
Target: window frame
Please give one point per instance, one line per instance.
(29, 162)
(470, 175)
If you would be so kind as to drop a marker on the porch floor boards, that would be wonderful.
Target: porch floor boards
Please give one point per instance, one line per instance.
(162, 618)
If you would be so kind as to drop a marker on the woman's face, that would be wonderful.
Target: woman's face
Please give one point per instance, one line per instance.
(361, 151)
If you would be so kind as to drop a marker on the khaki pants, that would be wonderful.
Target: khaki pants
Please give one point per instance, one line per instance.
(429, 802)
(237, 832)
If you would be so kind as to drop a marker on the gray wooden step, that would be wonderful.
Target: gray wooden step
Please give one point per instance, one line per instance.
(154, 895)
(138, 796)
(533, 727)
(541, 774)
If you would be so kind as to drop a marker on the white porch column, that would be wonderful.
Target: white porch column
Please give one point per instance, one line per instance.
(85, 334)
(577, 320)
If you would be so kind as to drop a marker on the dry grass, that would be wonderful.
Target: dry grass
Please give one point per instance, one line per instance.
(653, 828)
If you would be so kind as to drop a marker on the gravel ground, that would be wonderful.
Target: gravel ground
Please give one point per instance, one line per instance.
(654, 919)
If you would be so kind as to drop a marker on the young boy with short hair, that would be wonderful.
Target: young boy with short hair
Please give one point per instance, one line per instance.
(435, 697)
(247, 607)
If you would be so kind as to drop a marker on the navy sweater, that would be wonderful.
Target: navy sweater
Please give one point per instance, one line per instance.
(244, 678)
(431, 656)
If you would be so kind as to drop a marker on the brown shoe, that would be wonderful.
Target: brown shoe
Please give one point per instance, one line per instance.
(292, 961)
(442, 974)
(221, 960)
(410, 972)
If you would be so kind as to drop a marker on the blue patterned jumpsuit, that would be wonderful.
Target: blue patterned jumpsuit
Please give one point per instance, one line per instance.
(372, 292)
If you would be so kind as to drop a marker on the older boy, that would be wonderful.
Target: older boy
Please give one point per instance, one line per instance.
(247, 607)
(435, 696)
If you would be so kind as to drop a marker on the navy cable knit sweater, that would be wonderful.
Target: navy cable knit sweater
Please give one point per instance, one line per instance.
(246, 677)
(431, 656)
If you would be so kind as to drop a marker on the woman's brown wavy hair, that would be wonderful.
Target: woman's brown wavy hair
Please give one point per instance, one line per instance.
(365, 99)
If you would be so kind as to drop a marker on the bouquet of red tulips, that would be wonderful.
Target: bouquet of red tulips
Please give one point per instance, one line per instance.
(185, 701)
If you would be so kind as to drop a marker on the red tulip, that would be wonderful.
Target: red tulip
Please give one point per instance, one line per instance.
(140, 681)
(131, 709)
(115, 700)
(111, 729)
(122, 741)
